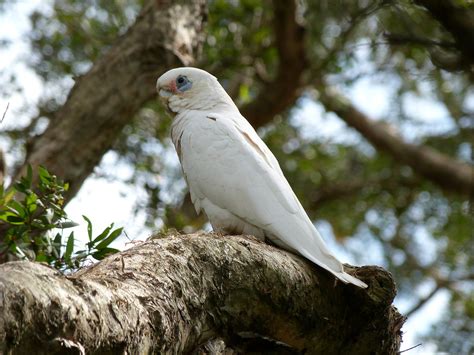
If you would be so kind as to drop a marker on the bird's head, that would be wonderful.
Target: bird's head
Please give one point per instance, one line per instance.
(189, 88)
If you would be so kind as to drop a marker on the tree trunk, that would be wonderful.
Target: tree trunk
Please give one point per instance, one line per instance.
(173, 294)
(166, 34)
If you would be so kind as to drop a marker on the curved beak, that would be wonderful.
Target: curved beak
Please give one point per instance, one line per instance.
(165, 90)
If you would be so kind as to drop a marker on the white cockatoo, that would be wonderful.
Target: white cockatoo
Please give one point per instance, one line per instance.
(231, 173)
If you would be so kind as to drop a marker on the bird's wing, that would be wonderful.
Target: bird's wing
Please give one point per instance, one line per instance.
(237, 172)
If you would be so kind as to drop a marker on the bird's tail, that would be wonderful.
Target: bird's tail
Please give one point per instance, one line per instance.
(306, 241)
(345, 277)
(334, 266)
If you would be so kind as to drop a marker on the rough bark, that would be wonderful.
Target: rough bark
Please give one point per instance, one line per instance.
(166, 34)
(445, 171)
(173, 294)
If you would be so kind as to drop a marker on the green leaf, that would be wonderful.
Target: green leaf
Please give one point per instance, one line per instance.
(44, 175)
(19, 186)
(4, 216)
(67, 224)
(15, 220)
(102, 235)
(244, 93)
(31, 202)
(17, 208)
(57, 245)
(113, 236)
(100, 254)
(8, 196)
(39, 224)
(69, 248)
(89, 227)
(41, 258)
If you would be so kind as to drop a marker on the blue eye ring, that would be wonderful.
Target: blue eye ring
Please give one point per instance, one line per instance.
(183, 83)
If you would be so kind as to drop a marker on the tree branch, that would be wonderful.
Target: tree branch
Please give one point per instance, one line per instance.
(172, 295)
(280, 93)
(457, 20)
(422, 301)
(104, 100)
(447, 172)
(399, 38)
(340, 189)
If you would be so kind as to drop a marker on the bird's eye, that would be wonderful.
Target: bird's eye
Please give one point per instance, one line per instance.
(183, 83)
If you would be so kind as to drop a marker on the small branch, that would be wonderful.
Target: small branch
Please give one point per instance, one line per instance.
(413, 347)
(5, 112)
(424, 300)
(350, 26)
(396, 38)
(440, 284)
(339, 189)
(468, 277)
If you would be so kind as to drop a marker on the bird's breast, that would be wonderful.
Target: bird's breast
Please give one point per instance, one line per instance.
(200, 139)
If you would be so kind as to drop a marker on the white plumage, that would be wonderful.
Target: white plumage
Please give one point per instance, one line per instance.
(231, 173)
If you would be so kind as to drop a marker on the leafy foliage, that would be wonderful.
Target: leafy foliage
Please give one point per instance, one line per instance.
(34, 221)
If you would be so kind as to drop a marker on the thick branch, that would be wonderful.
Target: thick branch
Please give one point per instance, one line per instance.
(103, 101)
(173, 294)
(447, 172)
(280, 93)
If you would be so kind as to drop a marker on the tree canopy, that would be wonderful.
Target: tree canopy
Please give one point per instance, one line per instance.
(367, 105)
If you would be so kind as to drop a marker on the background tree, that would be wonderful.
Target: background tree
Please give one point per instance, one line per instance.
(404, 198)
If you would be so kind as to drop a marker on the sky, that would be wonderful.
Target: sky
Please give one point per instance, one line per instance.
(98, 194)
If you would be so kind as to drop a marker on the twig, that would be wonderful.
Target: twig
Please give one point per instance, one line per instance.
(413, 347)
(424, 300)
(342, 39)
(396, 38)
(4, 113)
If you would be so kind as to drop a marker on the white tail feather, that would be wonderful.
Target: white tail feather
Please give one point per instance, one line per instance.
(341, 275)
(345, 277)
